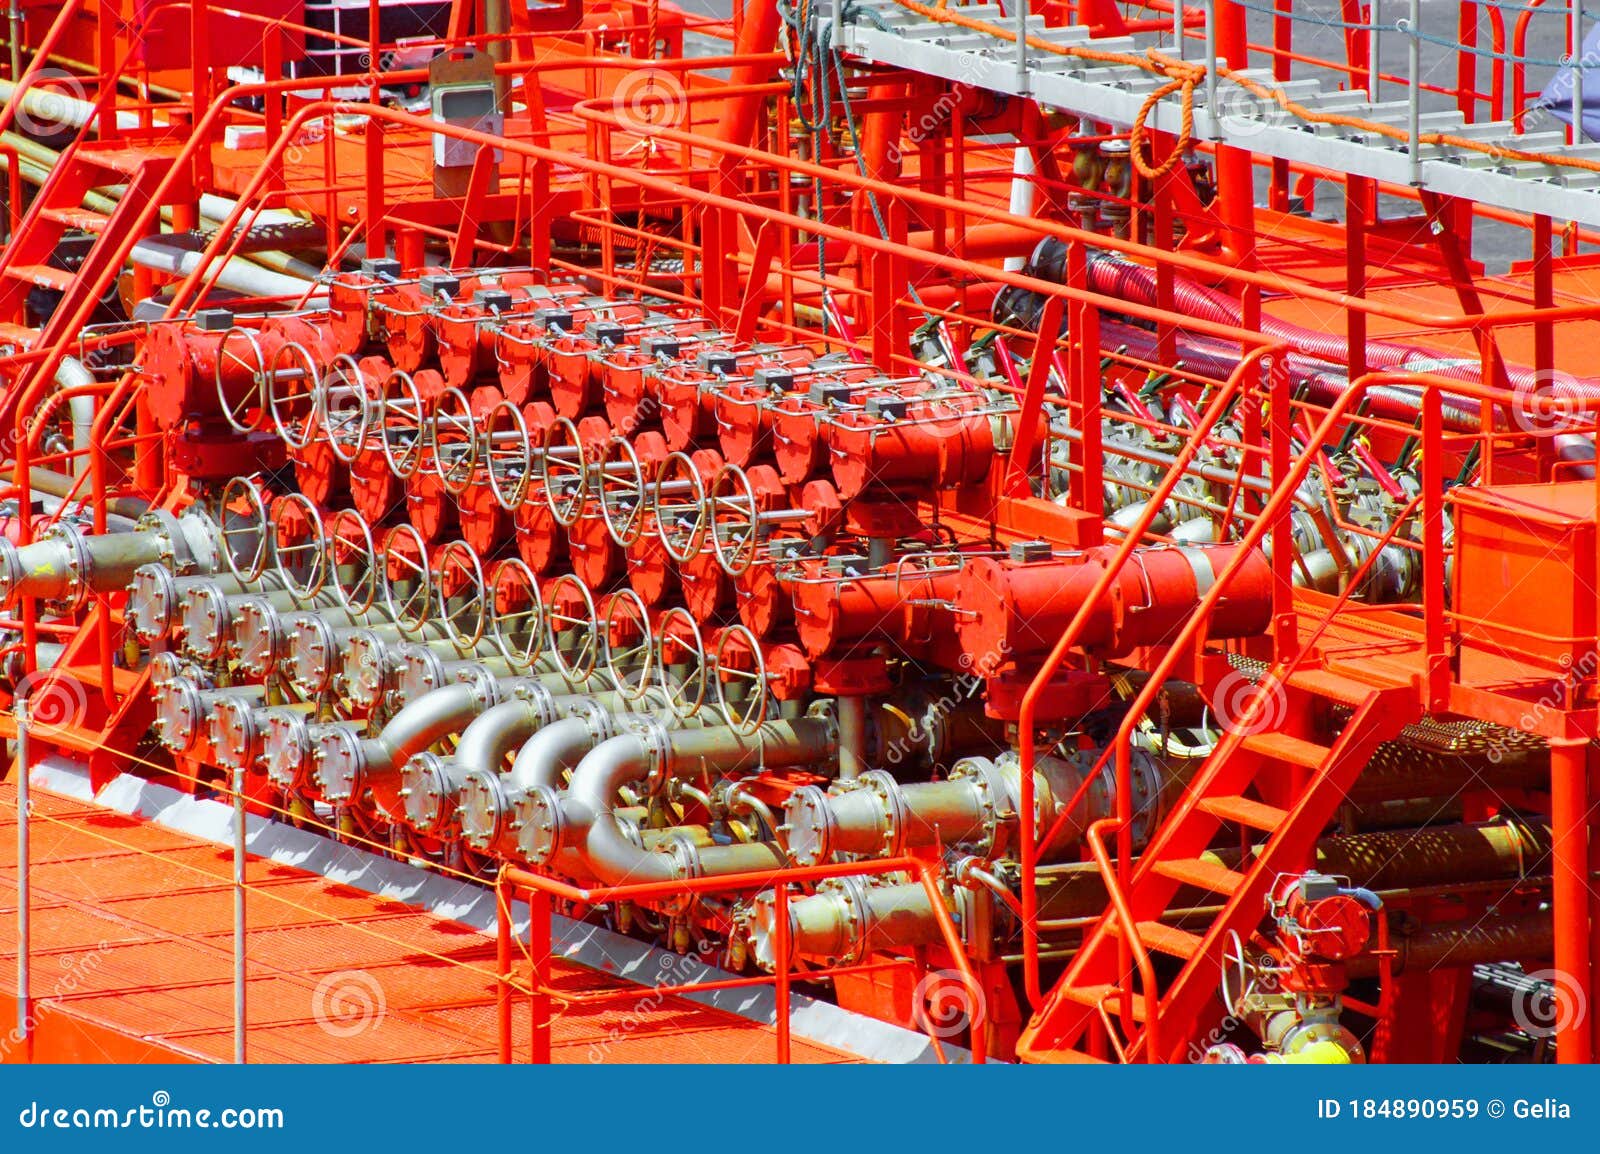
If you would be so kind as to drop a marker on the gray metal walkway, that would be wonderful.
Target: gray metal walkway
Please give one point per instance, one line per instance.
(883, 32)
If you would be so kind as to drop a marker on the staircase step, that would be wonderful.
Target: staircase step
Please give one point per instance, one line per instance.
(42, 275)
(82, 219)
(1092, 995)
(1294, 750)
(1163, 938)
(1255, 814)
(1201, 873)
(1334, 686)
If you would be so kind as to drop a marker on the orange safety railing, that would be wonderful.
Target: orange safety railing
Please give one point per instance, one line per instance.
(542, 891)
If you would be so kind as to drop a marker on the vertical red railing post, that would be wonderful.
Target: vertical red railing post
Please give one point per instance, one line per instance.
(780, 908)
(540, 946)
(502, 963)
(1286, 631)
(1569, 891)
(1433, 575)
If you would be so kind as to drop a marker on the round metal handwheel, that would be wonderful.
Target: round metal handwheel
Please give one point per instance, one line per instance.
(622, 500)
(508, 453)
(679, 645)
(353, 561)
(246, 354)
(627, 643)
(574, 633)
(453, 438)
(457, 578)
(345, 405)
(750, 710)
(517, 619)
(734, 520)
(407, 588)
(679, 504)
(564, 472)
(300, 549)
(243, 515)
(291, 394)
(400, 424)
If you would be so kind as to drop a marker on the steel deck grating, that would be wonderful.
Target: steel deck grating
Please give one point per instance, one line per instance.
(132, 934)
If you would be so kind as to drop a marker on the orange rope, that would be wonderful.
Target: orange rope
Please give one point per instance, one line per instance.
(1184, 76)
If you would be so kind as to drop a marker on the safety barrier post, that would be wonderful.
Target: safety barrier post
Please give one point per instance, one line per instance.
(502, 969)
(780, 908)
(240, 941)
(24, 1006)
(1414, 97)
(540, 943)
(1022, 46)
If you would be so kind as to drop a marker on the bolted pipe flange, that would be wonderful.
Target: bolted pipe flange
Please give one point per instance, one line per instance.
(366, 671)
(484, 811)
(539, 699)
(896, 817)
(657, 740)
(427, 796)
(78, 562)
(286, 749)
(152, 597)
(808, 825)
(310, 663)
(994, 802)
(340, 762)
(179, 715)
(203, 621)
(236, 737)
(169, 666)
(540, 824)
(258, 637)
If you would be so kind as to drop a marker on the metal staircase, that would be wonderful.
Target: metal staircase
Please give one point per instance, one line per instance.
(884, 32)
(1306, 779)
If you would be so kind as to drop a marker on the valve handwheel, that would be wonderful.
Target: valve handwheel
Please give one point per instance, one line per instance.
(517, 622)
(245, 354)
(508, 453)
(564, 472)
(353, 561)
(457, 578)
(574, 631)
(405, 561)
(628, 643)
(243, 514)
(678, 629)
(622, 492)
(344, 405)
(401, 424)
(293, 406)
(735, 523)
(300, 549)
(747, 715)
(453, 437)
(680, 507)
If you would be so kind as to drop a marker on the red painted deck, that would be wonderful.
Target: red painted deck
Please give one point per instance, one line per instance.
(132, 947)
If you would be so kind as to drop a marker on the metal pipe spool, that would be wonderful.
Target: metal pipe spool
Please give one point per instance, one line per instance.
(206, 614)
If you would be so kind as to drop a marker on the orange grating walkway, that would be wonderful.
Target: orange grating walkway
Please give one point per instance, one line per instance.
(132, 948)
